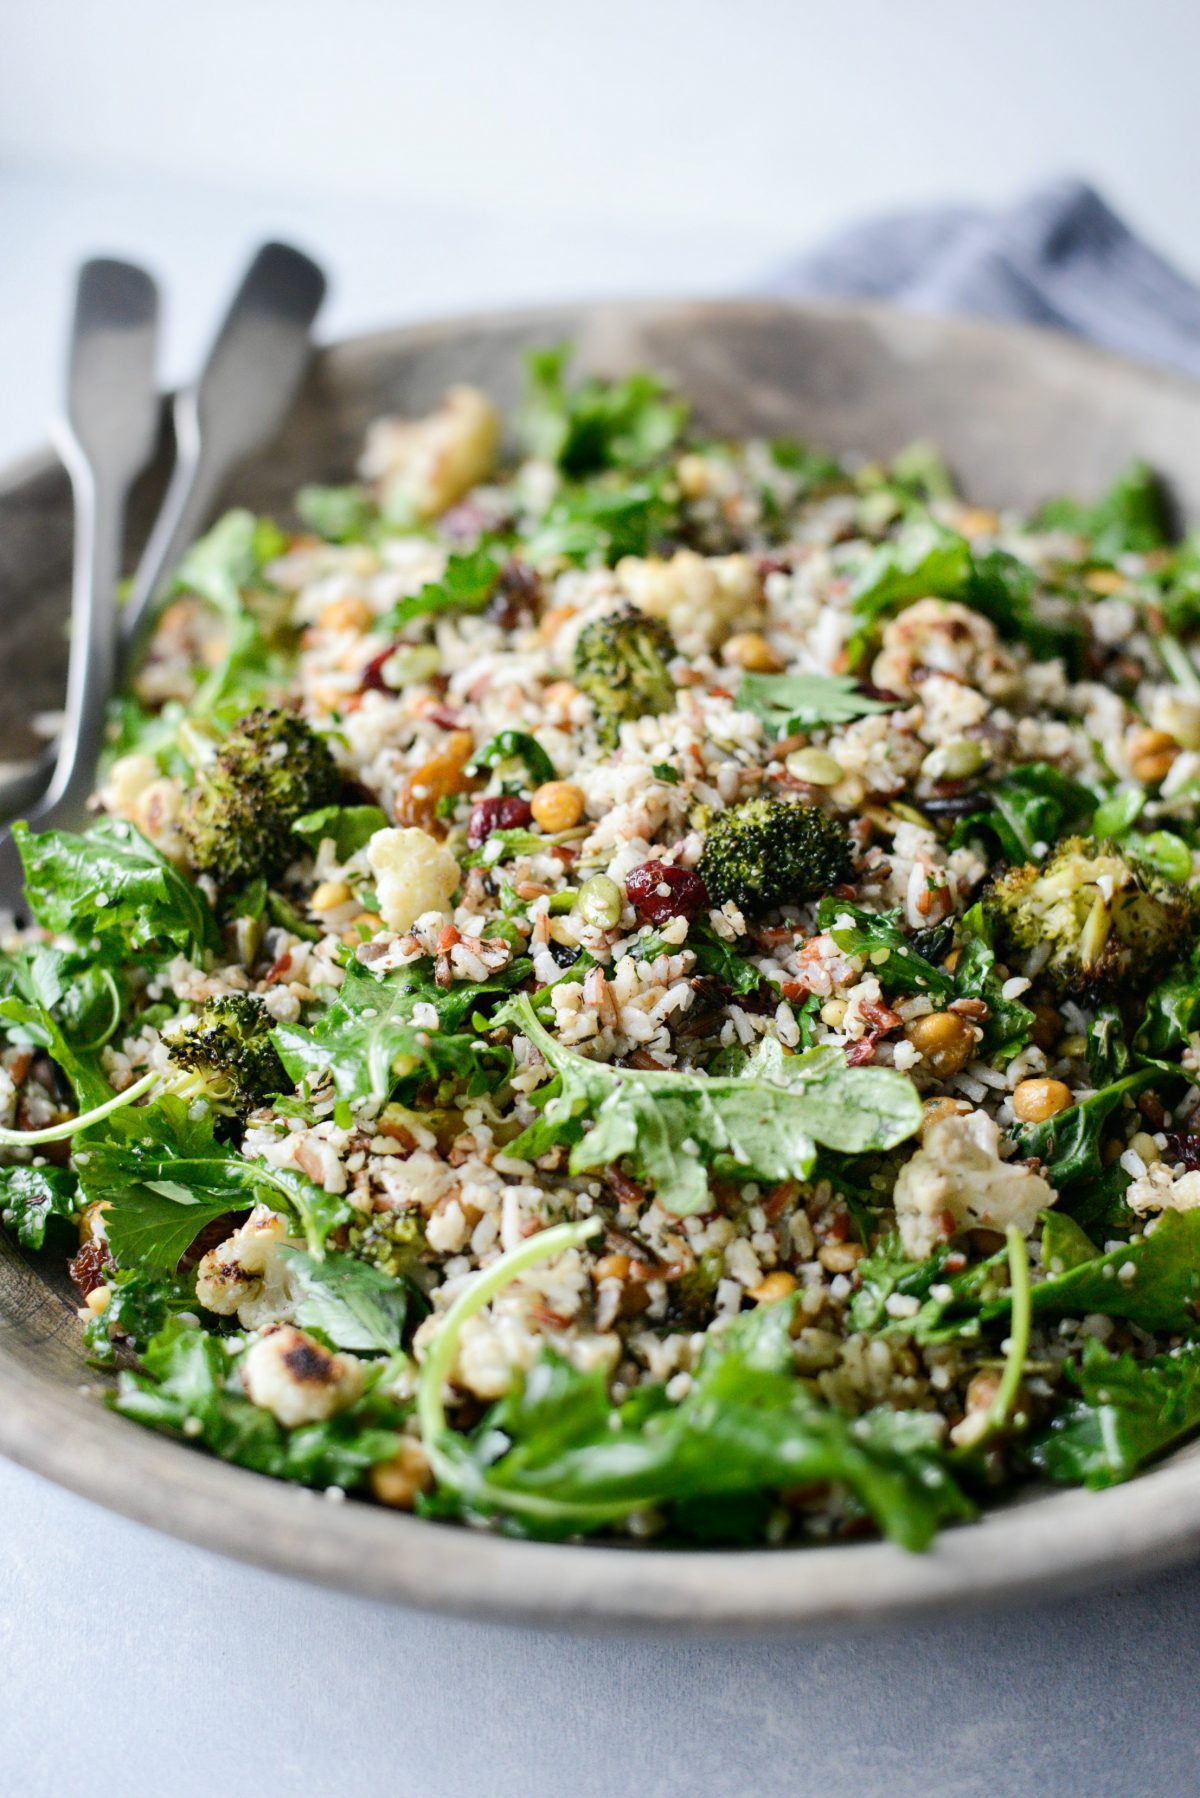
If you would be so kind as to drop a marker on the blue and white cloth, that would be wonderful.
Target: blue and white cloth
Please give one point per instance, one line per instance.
(1059, 258)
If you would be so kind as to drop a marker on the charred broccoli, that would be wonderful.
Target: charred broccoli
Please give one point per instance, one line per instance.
(227, 1057)
(270, 770)
(769, 851)
(621, 664)
(1105, 917)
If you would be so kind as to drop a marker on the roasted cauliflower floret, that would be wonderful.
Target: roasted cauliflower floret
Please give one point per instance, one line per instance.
(423, 466)
(701, 599)
(245, 1276)
(940, 636)
(956, 1181)
(414, 873)
(1105, 918)
(1160, 1188)
(298, 1379)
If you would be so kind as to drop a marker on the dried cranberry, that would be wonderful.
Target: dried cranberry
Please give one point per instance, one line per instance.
(507, 812)
(1183, 1147)
(660, 892)
(371, 679)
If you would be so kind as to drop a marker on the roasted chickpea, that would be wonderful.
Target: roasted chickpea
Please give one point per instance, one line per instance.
(946, 1041)
(1034, 1101)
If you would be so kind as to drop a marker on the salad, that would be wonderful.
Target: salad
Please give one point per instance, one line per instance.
(625, 983)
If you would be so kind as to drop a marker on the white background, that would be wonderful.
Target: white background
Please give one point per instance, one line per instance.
(449, 158)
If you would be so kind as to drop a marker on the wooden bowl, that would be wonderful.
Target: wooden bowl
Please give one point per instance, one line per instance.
(1019, 415)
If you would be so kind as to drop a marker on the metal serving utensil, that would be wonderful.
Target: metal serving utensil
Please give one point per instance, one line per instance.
(105, 436)
(245, 389)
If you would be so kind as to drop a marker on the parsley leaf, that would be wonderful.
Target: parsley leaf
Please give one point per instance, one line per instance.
(630, 423)
(466, 585)
(794, 702)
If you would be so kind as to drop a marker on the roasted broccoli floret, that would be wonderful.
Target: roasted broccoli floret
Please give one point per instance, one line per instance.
(769, 851)
(621, 664)
(227, 1057)
(1105, 917)
(271, 769)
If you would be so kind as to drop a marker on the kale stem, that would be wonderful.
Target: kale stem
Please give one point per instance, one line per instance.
(23, 1139)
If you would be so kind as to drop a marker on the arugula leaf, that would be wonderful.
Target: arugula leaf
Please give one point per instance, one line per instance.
(191, 1388)
(112, 884)
(675, 1128)
(350, 1302)
(601, 424)
(1031, 805)
(562, 1460)
(366, 1041)
(1127, 1412)
(339, 514)
(794, 702)
(1132, 517)
(467, 584)
(165, 1176)
(350, 827)
(35, 1200)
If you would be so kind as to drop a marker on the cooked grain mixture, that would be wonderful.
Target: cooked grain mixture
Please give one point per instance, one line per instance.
(637, 984)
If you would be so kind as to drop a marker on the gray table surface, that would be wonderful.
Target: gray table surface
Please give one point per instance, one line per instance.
(133, 1664)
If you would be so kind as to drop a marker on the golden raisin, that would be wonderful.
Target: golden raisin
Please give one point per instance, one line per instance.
(443, 775)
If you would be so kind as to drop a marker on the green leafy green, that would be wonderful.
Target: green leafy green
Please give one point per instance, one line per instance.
(164, 1176)
(37, 1200)
(892, 957)
(191, 1388)
(1031, 807)
(515, 746)
(339, 514)
(1127, 1411)
(886, 1271)
(1132, 517)
(1069, 1144)
(794, 702)
(349, 827)
(630, 423)
(223, 568)
(561, 1459)
(1171, 1010)
(366, 1041)
(675, 1128)
(51, 1001)
(603, 522)
(466, 585)
(713, 957)
(140, 1304)
(351, 1303)
(112, 884)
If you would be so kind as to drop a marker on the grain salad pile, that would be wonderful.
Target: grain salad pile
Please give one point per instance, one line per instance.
(626, 983)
